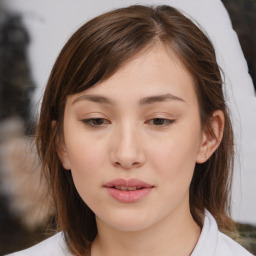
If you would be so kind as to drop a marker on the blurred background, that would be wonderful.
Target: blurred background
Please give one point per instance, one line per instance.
(31, 36)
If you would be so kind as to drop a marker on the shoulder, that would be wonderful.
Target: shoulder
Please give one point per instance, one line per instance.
(214, 243)
(54, 245)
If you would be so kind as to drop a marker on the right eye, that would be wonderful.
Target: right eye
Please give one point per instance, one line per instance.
(95, 122)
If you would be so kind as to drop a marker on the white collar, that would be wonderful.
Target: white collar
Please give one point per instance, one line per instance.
(208, 239)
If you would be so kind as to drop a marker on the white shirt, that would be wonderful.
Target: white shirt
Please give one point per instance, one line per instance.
(211, 243)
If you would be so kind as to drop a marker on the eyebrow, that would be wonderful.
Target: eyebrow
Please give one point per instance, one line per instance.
(144, 101)
(159, 98)
(94, 98)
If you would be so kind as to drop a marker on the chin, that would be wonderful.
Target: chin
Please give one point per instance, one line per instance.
(128, 222)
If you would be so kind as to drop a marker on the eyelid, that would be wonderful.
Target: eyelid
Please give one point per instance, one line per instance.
(87, 121)
(169, 121)
(162, 115)
(166, 118)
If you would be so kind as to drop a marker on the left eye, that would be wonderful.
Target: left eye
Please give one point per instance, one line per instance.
(161, 121)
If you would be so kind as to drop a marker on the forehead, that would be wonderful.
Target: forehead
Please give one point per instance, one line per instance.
(154, 71)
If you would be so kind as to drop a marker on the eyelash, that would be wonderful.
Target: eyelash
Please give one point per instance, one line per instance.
(91, 122)
(167, 121)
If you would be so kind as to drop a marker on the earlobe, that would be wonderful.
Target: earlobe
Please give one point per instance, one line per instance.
(62, 153)
(212, 137)
(61, 149)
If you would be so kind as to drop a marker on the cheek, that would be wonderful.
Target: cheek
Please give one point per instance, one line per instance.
(175, 159)
(86, 158)
(82, 148)
(87, 162)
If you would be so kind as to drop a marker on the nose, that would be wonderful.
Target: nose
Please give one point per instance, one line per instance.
(127, 149)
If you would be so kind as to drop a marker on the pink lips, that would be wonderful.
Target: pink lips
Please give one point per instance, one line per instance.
(124, 190)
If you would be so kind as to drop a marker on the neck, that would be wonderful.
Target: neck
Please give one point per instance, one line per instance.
(177, 234)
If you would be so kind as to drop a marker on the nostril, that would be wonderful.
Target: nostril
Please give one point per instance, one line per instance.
(128, 165)
(117, 164)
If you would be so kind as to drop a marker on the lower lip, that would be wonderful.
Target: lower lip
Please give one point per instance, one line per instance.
(128, 196)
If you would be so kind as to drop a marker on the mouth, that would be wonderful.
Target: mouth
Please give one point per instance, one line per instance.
(128, 191)
(124, 188)
(124, 185)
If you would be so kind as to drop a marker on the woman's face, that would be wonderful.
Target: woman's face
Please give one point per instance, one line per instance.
(132, 141)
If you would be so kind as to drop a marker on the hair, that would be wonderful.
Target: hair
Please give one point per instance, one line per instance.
(95, 52)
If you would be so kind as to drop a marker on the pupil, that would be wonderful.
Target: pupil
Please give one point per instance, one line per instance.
(97, 121)
(159, 121)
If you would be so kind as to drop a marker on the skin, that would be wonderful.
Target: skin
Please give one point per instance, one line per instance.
(132, 140)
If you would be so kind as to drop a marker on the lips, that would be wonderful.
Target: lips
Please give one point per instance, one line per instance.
(128, 191)
(128, 183)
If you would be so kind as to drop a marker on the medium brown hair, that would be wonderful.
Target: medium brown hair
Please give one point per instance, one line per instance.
(94, 53)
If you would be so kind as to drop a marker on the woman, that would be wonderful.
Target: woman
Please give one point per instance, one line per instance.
(136, 141)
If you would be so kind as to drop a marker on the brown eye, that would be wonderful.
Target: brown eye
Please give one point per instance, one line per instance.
(161, 121)
(95, 122)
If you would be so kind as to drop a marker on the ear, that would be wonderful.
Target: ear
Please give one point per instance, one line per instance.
(61, 149)
(211, 138)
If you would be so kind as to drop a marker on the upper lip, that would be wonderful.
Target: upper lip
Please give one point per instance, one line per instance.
(128, 183)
